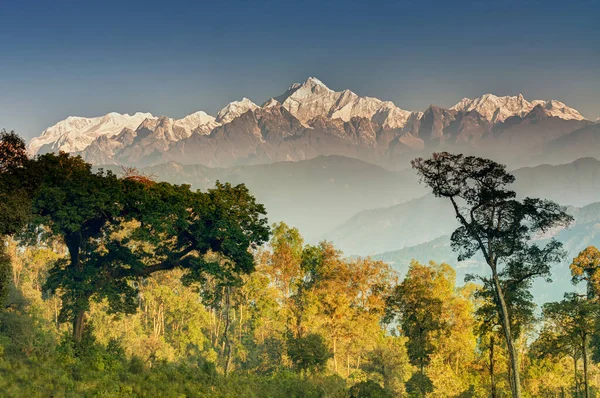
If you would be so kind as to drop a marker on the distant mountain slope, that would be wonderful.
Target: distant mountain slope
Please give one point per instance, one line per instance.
(426, 218)
(579, 143)
(405, 224)
(576, 183)
(76, 133)
(584, 232)
(534, 129)
(313, 195)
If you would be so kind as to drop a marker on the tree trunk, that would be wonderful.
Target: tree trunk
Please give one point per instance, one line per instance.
(585, 367)
(226, 342)
(78, 325)
(73, 243)
(335, 367)
(492, 374)
(347, 365)
(576, 376)
(422, 384)
(515, 380)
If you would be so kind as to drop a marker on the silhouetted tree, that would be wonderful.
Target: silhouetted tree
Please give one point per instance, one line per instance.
(495, 224)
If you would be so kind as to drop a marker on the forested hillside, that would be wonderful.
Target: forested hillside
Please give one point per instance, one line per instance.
(122, 286)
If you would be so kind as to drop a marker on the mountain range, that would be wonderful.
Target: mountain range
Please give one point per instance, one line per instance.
(310, 120)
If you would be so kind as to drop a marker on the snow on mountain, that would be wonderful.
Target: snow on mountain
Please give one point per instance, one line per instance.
(558, 109)
(200, 122)
(497, 109)
(235, 109)
(323, 121)
(75, 133)
(271, 103)
(313, 98)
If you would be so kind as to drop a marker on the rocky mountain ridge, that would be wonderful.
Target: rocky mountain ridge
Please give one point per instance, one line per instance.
(310, 120)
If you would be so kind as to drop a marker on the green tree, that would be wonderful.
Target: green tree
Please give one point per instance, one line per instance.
(308, 353)
(13, 202)
(369, 389)
(118, 230)
(574, 319)
(418, 306)
(13, 151)
(521, 313)
(495, 224)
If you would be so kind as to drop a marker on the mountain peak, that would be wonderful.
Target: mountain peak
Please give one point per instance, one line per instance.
(235, 109)
(271, 102)
(312, 99)
(313, 82)
(197, 121)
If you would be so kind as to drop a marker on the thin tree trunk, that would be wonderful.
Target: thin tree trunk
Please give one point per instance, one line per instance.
(515, 380)
(56, 312)
(335, 367)
(347, 365)
(585, 367)
(576, 376)
(226, 342)
(492, 374)
(73, 242)
(422, 385)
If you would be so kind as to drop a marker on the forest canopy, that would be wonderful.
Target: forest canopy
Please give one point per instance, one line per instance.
(121, 285)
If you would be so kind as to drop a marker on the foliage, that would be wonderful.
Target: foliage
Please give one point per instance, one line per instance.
(497, 225)
(309, 353)
(117, 230)
(179, 296)
(369, 389)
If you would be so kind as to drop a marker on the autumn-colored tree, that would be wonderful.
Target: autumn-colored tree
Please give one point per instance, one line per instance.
(586, 268)
(575, 320)
(287, 245)
(417, 304)
(553, 344)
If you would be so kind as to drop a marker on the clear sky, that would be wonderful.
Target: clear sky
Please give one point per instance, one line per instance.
(61, 58)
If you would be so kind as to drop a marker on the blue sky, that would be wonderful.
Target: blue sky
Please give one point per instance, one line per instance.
(61, 58)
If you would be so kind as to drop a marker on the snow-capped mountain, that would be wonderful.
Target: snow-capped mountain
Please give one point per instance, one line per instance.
(498, 109)
(199, 122)
(313, 98)
(310, 120)
(74, 133)
(235, 109)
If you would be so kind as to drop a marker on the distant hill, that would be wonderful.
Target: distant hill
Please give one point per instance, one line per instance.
(580, 143)
(583, 233)
(575, 184)
(313, 195)
(423, 219)
(406, 224)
